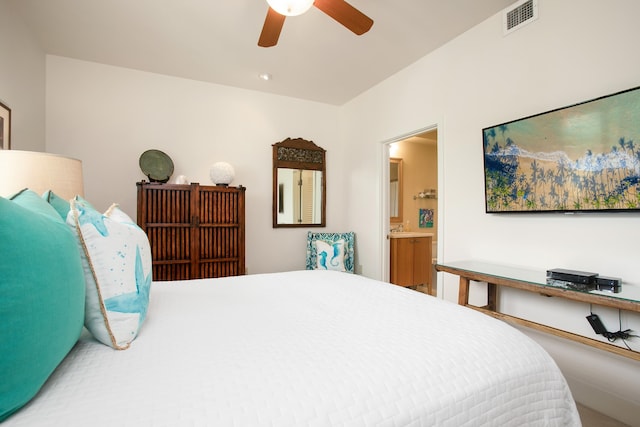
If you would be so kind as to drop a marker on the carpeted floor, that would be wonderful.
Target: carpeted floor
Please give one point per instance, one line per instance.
(591, 418)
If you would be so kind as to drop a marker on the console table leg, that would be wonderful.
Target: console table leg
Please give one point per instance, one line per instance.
(463, 292)
(492, 296)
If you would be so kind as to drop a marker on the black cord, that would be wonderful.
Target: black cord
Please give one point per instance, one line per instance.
(614, 336)
(623, 335)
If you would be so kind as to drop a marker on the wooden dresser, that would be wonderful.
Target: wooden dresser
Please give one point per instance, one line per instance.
(195, 231)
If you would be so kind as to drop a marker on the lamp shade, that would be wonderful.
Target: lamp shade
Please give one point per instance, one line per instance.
(40, 172)
(221, 173)
(290, 7)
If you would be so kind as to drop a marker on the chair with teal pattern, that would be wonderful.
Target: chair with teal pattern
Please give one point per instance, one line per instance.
(330, 251)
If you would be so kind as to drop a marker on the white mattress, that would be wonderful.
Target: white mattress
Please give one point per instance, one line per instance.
(306, 348)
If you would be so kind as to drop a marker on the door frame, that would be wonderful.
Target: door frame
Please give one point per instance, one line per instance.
(384, 185)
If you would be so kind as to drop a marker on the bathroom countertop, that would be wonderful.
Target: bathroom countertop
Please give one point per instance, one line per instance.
(408, 234)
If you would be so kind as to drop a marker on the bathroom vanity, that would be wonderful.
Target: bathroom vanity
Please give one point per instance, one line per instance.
(411, 259)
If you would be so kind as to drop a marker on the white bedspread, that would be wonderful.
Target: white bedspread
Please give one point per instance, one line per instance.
(306, 348)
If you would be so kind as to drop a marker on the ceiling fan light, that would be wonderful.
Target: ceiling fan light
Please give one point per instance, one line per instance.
(290, 7)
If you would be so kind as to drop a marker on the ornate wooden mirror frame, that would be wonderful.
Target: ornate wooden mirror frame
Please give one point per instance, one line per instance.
(299, 184)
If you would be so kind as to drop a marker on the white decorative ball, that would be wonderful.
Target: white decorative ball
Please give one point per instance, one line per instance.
(222, 173)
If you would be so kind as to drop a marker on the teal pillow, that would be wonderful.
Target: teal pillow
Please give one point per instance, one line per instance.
(30, 200)
(42, 294)
(61, 205)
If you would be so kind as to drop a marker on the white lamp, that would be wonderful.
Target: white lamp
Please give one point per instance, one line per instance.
(222, 173)
(40, 172)
(290, 7)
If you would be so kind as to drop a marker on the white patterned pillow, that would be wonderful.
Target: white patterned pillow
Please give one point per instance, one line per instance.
(330, 255)
(117, 266)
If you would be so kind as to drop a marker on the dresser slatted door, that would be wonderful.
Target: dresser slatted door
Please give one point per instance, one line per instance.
(165, 214)
(194, 231)
(221, 231)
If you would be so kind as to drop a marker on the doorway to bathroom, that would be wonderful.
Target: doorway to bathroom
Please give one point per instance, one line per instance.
(411, 189)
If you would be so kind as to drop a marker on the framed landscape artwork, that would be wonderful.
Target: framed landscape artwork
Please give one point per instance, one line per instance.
(581, 158)
(5, 127)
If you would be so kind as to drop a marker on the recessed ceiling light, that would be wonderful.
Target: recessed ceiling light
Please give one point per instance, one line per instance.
(265, 76)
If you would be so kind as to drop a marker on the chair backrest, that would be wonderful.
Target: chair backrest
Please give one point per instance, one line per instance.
(330, 251)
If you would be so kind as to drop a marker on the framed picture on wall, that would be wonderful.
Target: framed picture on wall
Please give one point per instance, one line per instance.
(580, 158)
(425, 218)
(5, 127)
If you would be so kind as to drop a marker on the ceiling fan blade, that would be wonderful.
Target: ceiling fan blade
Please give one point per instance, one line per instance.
(271, 30)
(345, 14)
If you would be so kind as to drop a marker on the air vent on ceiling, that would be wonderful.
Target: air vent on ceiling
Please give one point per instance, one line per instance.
(518, 15)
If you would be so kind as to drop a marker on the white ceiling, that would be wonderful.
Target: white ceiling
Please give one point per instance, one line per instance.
(216, 41)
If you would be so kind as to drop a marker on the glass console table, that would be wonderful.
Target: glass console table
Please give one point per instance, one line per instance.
(496, 275)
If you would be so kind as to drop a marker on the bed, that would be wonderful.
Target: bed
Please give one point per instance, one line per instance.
(88, 339)
(305, 348)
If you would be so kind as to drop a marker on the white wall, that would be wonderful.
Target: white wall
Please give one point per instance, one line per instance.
(575, 51)
(108, 116)
(22, 79)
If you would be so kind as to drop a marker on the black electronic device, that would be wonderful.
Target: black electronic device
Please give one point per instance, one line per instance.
(608, 284)
(573, 276)
(596, 324)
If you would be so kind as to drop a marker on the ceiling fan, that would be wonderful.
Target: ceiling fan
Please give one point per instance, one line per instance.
(339, 10)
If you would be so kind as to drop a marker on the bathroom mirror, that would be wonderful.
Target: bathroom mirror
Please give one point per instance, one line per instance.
(299, 177)
(395, 190)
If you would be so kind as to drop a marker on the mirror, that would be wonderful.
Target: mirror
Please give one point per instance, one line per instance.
(299, 178)
(395, 190)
